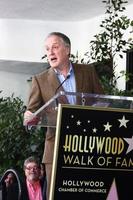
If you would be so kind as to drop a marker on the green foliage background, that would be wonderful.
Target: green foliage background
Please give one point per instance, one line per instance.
(16, 144)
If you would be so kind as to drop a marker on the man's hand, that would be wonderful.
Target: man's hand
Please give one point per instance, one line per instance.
(30, 119)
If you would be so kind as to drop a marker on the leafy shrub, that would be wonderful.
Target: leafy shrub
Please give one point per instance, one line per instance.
(16, 144)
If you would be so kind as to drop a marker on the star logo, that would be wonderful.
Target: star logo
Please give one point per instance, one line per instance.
(107, 127)
(78, 123)
(130, 142)
(94, 130)
(123, 122)
(113, 194)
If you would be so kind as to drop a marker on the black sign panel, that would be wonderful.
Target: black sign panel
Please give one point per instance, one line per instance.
(93, 154)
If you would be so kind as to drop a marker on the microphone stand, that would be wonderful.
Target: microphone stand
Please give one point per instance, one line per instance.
(68, 76)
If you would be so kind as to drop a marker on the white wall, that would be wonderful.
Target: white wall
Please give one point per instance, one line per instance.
(12, 83)
(23, 40)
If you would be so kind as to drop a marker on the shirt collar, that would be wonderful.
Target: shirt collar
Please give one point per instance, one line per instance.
(69, 72)
(36, 183)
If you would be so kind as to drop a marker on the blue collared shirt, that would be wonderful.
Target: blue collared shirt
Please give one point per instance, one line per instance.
(69, 85)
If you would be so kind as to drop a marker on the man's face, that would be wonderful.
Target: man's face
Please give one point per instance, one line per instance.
(32, 171)
(56, 51)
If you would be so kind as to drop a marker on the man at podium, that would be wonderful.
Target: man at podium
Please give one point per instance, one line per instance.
(62, 75)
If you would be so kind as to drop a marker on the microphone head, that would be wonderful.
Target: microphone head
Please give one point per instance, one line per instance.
(68, 76)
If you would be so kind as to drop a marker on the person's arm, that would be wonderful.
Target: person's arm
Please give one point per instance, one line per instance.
(30, 119)
(35, 100)
(34, 103)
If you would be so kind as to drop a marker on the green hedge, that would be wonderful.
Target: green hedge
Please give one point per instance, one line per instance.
(16, 143)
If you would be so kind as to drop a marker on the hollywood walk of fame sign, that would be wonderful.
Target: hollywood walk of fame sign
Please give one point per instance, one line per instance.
(93, 156)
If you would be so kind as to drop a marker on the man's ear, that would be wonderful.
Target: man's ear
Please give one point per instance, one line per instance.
(68, 51)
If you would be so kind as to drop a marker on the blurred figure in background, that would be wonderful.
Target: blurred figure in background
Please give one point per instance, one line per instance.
(9, 183)
(32, 185)
(10, 179)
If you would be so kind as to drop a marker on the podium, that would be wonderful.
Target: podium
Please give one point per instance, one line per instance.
(93, 155)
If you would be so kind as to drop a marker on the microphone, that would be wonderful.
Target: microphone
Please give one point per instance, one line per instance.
(68, 76)
(43, 57)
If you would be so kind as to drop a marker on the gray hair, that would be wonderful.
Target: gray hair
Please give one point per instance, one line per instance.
(65, 38)
(31, 159)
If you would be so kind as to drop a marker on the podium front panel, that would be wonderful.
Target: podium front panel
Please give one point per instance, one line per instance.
(93, 157)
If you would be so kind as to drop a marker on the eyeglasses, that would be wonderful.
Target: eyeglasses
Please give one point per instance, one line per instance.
(32, 168)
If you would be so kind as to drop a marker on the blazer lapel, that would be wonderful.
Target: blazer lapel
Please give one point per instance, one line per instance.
(56, 87)
(78, 78)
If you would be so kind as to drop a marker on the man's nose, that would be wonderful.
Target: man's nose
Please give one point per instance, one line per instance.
(51, 51)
